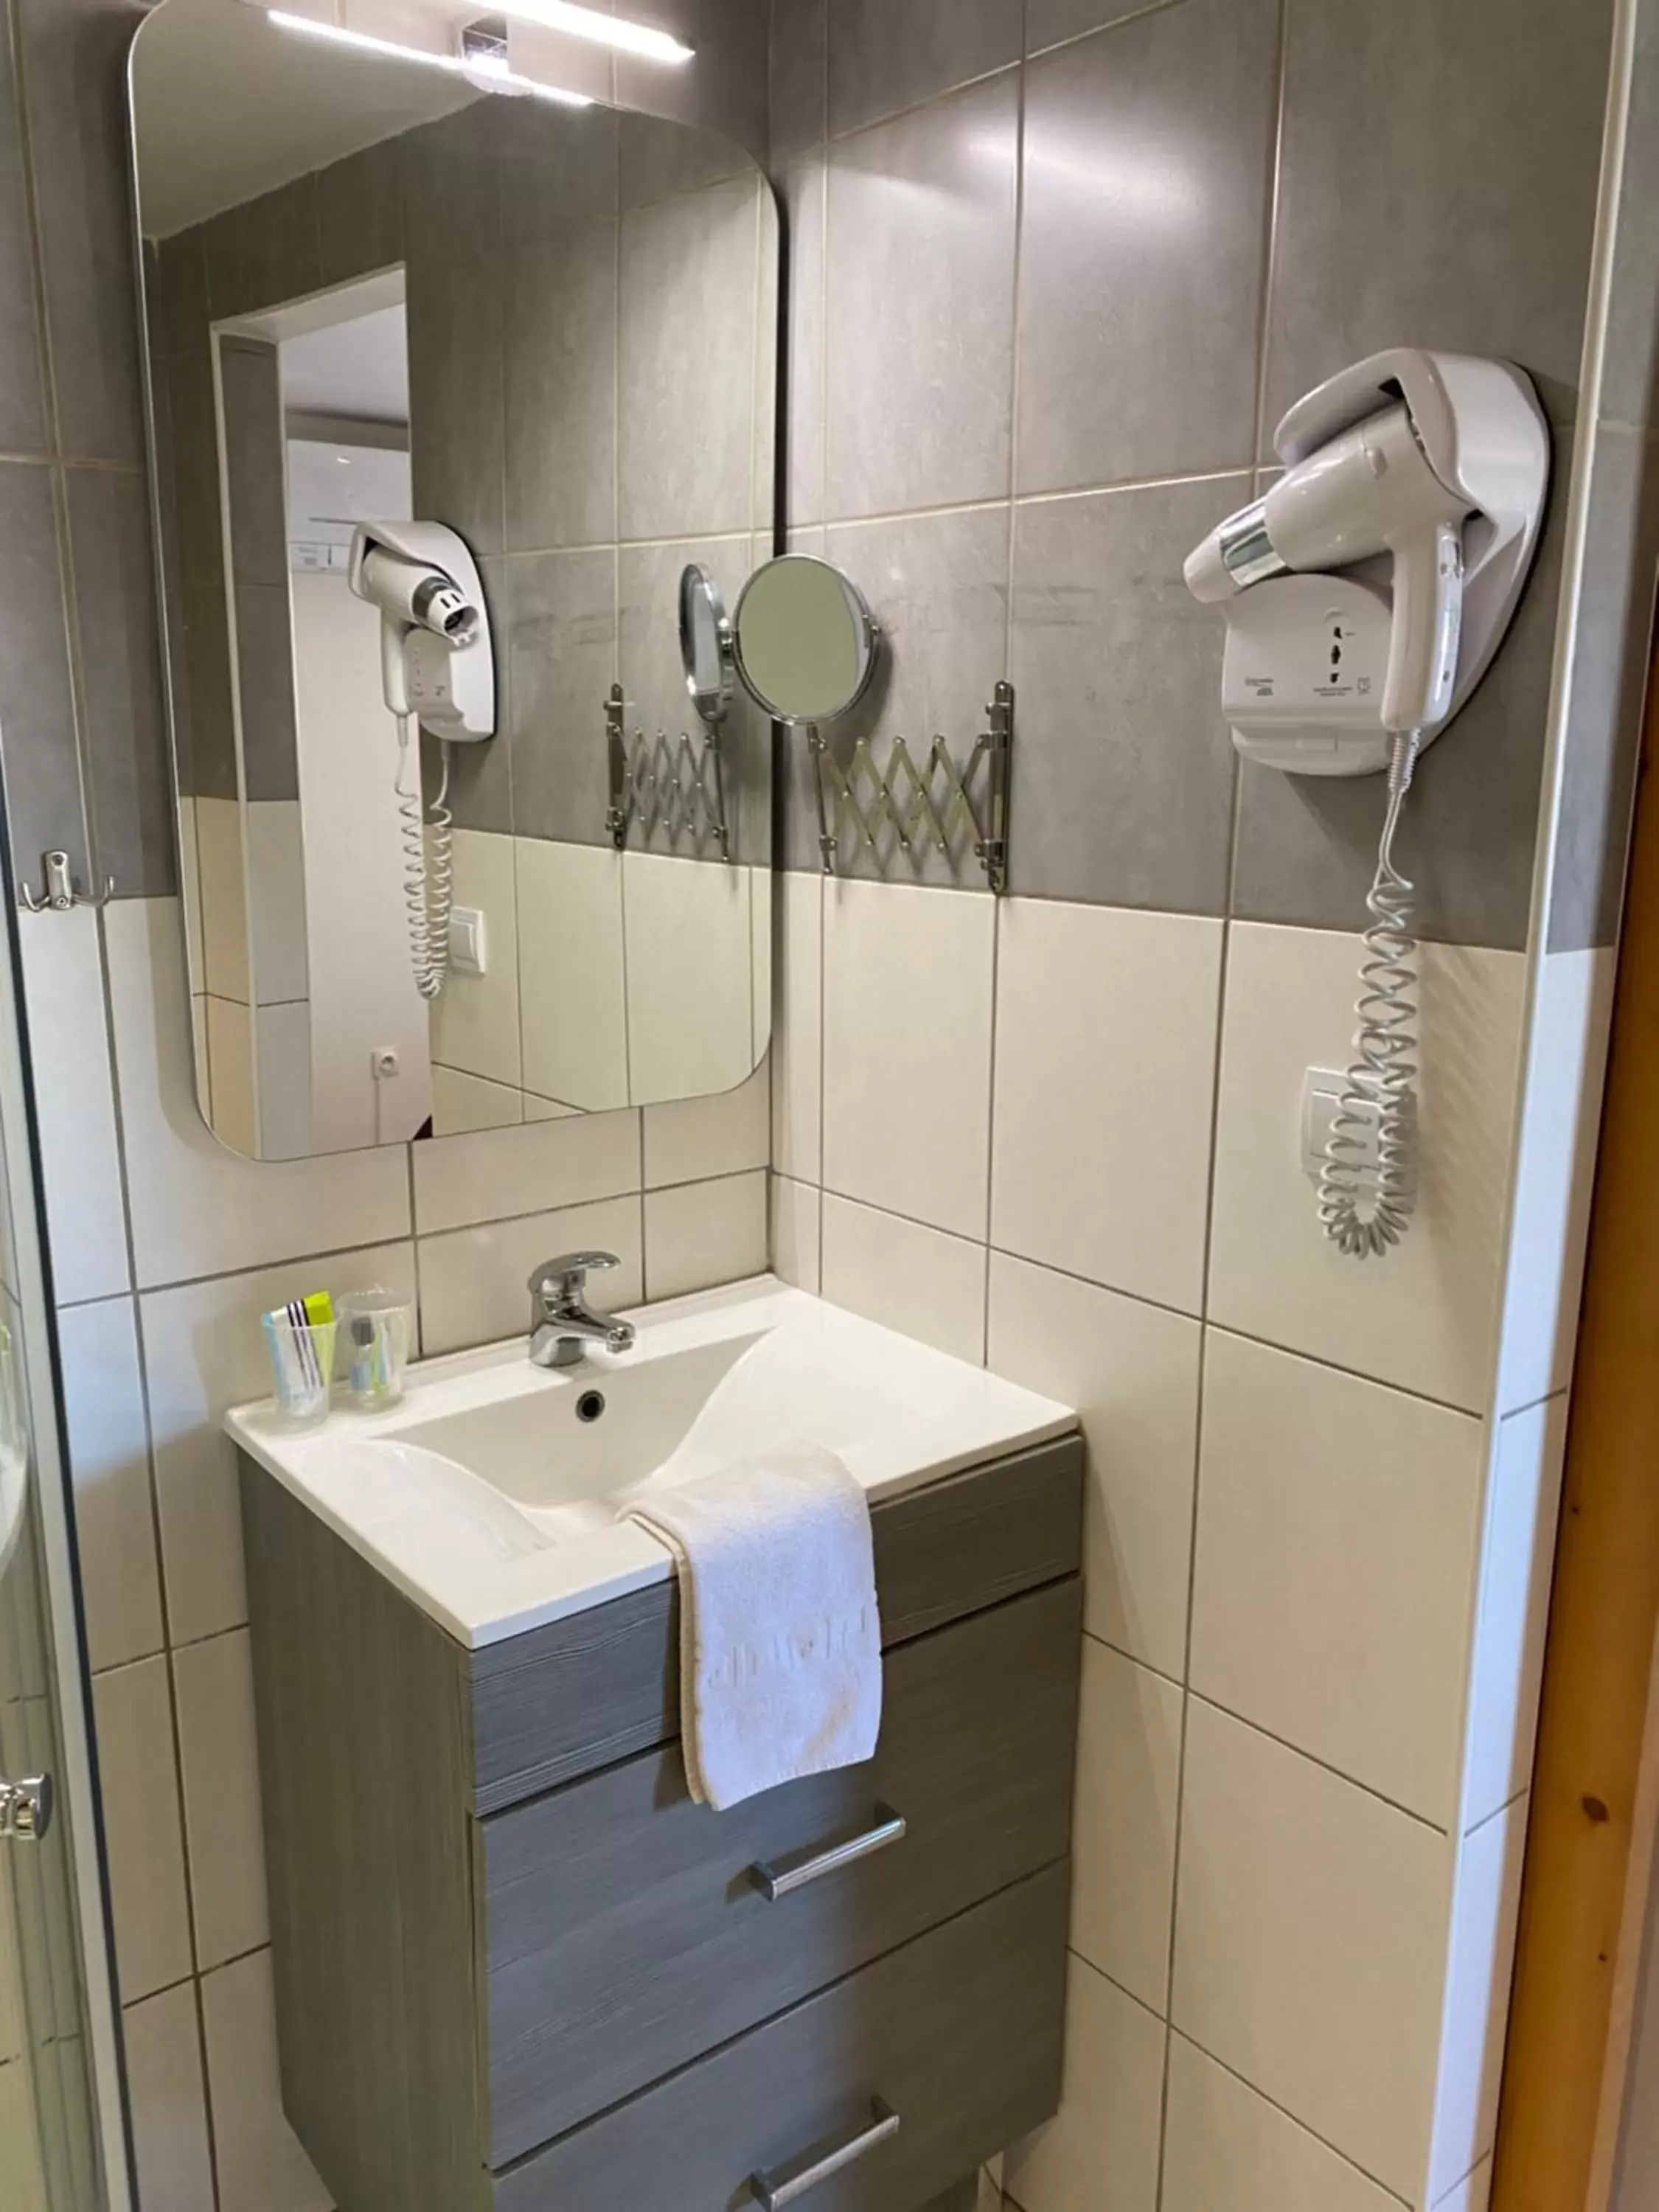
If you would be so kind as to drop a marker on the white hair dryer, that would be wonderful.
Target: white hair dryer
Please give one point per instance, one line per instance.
(437, 668)
(1422, 477)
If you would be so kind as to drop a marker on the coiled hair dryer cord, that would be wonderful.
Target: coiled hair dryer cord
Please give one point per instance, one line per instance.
(428, 865)
(1380, 1101)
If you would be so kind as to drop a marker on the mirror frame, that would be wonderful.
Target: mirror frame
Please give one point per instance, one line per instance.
(858, 606)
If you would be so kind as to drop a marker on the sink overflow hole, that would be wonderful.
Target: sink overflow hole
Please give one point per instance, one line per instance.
(590, 1404)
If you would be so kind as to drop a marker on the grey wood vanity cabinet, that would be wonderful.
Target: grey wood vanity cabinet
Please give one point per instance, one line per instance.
(518, 1971)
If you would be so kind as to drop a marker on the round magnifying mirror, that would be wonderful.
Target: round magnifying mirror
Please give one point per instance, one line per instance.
(806, 640)
(705, 643)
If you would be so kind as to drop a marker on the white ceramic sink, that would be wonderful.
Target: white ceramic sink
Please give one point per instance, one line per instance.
(492, 1494)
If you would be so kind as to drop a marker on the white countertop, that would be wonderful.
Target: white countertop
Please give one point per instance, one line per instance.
(483, 1498)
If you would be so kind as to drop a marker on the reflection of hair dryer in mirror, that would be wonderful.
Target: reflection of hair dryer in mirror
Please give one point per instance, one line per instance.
(1422, 477)
(437, 669)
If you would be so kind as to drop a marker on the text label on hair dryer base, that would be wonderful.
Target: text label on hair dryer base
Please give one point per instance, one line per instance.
(1302, 677)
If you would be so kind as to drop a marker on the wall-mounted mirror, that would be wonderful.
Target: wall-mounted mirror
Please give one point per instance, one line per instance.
(804, 640)
(380, 294)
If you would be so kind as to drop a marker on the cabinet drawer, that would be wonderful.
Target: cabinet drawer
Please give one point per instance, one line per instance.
(579, 1694)
(957, 2034)
(623, 1933)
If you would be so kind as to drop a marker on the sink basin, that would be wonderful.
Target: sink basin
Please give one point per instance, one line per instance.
(495, 1494)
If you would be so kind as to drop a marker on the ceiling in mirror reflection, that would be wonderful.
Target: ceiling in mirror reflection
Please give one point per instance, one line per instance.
(551, 332)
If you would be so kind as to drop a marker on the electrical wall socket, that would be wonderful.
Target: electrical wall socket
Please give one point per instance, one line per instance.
(1321, 1102)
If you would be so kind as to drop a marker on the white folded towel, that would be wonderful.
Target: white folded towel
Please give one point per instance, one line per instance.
(780, 1636)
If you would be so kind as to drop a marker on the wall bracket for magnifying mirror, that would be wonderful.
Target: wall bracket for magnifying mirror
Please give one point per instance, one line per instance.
(669, 788)
(872, 798)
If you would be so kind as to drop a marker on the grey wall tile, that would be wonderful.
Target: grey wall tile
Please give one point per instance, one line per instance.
(75, 79)
(203, 634)
(1048, 21)
(128, 772)
(938, 585)
(176, 297)
(265, 252)
(37, 713)
(264, 670)
(882, 57)
(658, 159)
(802, 368)
(22, 400)
(1122, 769)
(1631, 364)
(724, 89)
(1437, 186)
(1610, 666)
(452, 187)
(561, 641)
(1307, 845)
(360, 213)
(1148, 152)
(560, 369)
(480, 775)
(558, 168)
(688, 334)
(456, 419)
(799, 77)
(251, 404)
(921, 307)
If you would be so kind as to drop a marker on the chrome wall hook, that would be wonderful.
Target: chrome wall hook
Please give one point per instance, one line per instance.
(59, 893)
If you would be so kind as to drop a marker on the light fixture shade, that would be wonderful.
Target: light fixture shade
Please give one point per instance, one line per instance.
(489, 77)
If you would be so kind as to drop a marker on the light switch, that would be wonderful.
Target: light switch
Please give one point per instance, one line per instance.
(469, 942)
(1322, 1101)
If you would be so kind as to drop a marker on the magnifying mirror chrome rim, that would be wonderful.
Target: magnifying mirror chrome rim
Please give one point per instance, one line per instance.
(869, 639)
(700, 593)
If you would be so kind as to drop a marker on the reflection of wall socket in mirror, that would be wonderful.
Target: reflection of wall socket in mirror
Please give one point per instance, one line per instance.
(1322, 1100)
(384, 1064)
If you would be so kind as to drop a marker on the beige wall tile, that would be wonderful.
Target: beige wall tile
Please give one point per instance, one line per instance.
(1423, 1317)
(204, 1351)
(572, 1007)
(169, 2103)
(910, 1278)
(907, 1045)
(690, 990)
(213, 1685)
(1123, 1833)
(1131, 1370)
(795, 1239)
(261, 2167)
(693, 1138)
(1335, 1569)
(1228, 2150)
(74, 1094)
(231, 1083)
(109, 1457)
(462, 1105)
(280, 969)
(196, 1209)
(1310, 1936)
(20, 2132)
(133, 1717)
(495, 1173)
(1100, 2154)
(475, 1020)
(221, 880)
(699, 1234)
(798, 1029)
(1106, 1026)
(473, 1280)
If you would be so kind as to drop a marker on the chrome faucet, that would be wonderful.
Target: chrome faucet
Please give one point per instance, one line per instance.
(561, 1324)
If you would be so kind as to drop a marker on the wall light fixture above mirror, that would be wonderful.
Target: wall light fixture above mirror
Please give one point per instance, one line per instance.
(471, 333)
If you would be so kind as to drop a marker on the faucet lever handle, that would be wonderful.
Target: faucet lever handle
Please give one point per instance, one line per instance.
(567, 1276)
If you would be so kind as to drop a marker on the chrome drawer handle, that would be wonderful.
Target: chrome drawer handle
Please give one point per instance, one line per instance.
(779, 2185)
(775, 1878)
